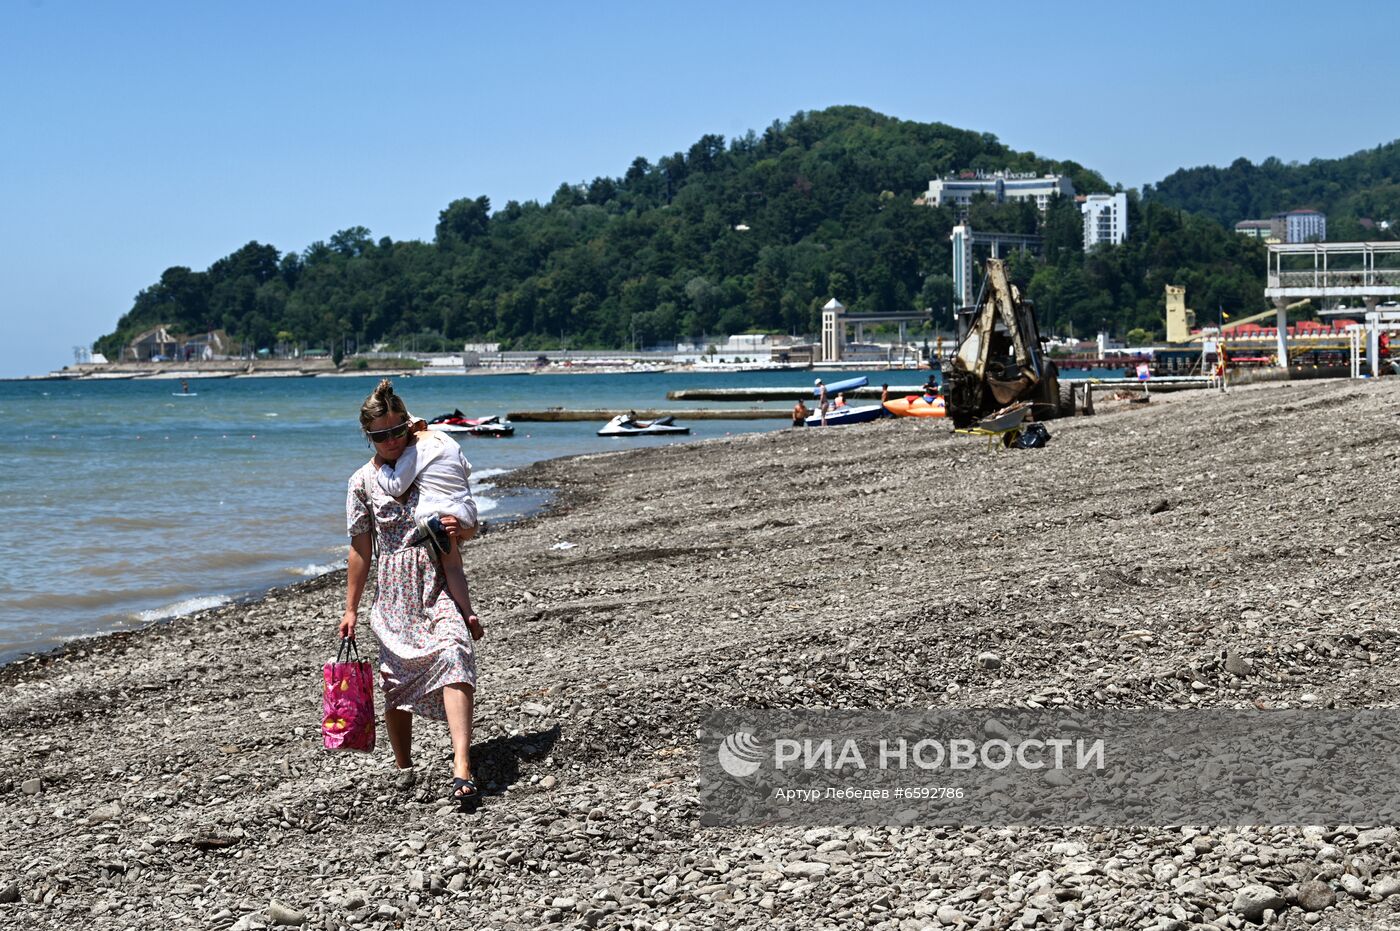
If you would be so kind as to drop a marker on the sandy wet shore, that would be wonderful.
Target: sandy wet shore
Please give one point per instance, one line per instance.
(174, 777)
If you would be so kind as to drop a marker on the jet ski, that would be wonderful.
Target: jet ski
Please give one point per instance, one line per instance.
(457, 422)
(628, 425)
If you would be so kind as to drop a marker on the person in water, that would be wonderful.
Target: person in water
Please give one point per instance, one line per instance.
(799, 414)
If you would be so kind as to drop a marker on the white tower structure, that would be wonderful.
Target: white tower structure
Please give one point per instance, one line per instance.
(833, 331)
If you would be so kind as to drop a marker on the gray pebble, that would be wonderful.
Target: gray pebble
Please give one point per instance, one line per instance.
(282, 916)
(1386, 887)
(1252, 900)
(1314, 896)
(1353, 885)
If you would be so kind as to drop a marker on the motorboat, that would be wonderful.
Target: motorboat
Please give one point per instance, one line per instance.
(848, 414)
(457, 422)
(629, 425)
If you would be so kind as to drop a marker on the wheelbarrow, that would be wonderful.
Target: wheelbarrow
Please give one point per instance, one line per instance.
(1001, 427)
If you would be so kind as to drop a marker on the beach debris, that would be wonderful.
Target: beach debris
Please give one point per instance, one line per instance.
(213, 841)
(1160, 506)
(563, 545)
(1032, 436)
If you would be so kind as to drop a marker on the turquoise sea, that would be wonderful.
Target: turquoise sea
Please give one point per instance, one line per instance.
(122, 503)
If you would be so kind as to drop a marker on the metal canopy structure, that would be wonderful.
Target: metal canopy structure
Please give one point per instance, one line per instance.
(1367, 272)
(835, 319)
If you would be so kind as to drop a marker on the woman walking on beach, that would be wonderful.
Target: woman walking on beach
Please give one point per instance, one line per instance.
(426, 660)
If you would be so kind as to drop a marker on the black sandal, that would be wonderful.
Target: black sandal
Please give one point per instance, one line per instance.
(432, 532)
(465, 793)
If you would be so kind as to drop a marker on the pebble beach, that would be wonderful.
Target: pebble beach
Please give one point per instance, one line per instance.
(1204, 550)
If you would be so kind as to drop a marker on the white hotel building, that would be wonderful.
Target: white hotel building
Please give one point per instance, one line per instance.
(1105, 219)
(1001, 186)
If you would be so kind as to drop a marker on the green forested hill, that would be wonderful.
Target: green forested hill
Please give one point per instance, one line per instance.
(1361, 186)
(755, 232)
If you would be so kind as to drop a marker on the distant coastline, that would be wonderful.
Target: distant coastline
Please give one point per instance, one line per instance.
(577, 363)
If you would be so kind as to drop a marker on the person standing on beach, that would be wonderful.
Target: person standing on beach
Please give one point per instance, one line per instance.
(823, 404)
(426, 660)
(799, 414)
(884, 393)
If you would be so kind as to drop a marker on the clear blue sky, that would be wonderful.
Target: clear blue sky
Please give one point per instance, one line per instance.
(136, 136)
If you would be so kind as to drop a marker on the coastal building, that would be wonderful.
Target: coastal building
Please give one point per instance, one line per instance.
(963, 268)
(153, 345)
(1301, 226)
(1105, 219)
(1001, 186)
(1256, 229)
(1292, 226)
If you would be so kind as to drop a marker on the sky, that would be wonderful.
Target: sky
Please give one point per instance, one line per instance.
(142, 135)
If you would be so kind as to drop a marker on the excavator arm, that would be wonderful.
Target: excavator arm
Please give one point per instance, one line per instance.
(1000, 360)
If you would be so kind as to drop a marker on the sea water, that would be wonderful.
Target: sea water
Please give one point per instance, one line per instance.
(122, 503)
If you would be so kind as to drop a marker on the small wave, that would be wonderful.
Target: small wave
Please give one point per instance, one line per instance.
(182, 608)
(311, 570)
(122, 522)
(486, 504)
(479, 474)
(223, 559)
(91, 599)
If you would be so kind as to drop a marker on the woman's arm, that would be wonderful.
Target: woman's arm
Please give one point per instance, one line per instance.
(361, 551)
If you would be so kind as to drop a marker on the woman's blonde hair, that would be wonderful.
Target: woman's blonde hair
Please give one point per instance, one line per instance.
(381, 401)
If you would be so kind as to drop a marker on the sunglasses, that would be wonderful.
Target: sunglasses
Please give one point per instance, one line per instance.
(384, 436)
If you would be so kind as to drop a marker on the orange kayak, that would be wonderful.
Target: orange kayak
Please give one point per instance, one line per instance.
(915, 406)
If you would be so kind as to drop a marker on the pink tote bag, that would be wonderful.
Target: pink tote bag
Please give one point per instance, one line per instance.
(347, 718)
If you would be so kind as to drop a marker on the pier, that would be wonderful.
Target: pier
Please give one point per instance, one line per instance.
(558, 416)
(1163, 383)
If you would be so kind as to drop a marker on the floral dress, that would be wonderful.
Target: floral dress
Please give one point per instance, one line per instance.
(423, 639)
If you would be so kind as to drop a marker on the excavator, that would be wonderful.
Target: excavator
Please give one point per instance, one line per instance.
(1000, 361)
